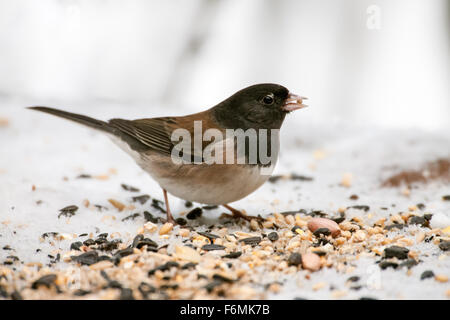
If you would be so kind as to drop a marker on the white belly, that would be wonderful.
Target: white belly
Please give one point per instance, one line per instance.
(212, 185)
(209, 184)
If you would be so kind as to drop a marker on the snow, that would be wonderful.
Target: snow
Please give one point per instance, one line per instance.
(40, 150)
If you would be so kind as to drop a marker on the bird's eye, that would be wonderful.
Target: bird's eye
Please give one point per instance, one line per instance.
(268, 99)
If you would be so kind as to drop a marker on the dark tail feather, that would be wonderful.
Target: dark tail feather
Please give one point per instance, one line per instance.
(87, 121)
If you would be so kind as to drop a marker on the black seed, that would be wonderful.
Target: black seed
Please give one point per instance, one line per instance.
(15, 295)
(136, 240)
(145, 289)
(233, 255)
(394, 226)
(3, 292)
(169, 286)
(157, 204)
(47, 281)
(110, 245)
(427, 274)
(418, 220)
(275, 178)
(149, 217)
(141, 199)
(317, 213)
(89, 242)
(409, 263)
(353, 279)
(181, 221)
(68, 211)
(126, 294)
(211, 247)
(164, 267)
(81, 292)
(113, 284)
(210, 207)
(100, 207)
(386, 264)
(100, 241)
(444, 245)
(421, 206)
(102, 258)
(129, 188)
(251, 240)
(147, 242)
(208, 235)
(289, 213)
(338, 219)
(123, 253)
(221, 278)
(446, 197)
(86, 258)
(320, 231)
(396, 251)
(320, 253)
(360, 207)
(84, 176)
(188, 265)
(48, 234)
(188, 204)
(210, 286)
(131, 217)
(295, 259)
(194, 213)
(295, 176)
(103, 235)
(273, 236)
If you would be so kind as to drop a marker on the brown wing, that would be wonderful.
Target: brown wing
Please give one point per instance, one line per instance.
(156, 132)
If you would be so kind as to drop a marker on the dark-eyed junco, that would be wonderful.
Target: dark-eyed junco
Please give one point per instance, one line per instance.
(197, 157)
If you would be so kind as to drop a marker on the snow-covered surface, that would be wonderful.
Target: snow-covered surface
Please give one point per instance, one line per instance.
(41, 150)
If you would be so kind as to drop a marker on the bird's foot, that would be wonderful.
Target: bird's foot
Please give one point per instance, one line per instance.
(237, 214)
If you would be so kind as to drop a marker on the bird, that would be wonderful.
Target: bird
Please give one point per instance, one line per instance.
(181, 169)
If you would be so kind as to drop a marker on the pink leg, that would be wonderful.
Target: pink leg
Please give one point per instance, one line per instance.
(169, 214)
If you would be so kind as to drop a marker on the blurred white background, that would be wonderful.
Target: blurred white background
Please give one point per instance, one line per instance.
(375, 62)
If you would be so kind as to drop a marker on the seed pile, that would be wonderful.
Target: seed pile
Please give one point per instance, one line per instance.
(231, 259)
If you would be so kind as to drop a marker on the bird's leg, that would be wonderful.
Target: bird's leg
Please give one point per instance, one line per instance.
(169, 214)
(239, 215)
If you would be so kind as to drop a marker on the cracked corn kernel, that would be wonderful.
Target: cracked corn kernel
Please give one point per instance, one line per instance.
(184, 233)
(347, 180)
(117, 204)
(166, 228)
(338, 294)
(149, 226)
(267, 224)
(319, 286)
(254, 225)
(187, 253)
(441, 278)
(290, 219)
(446, 230)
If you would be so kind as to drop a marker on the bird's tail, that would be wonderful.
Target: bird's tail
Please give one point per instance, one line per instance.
(87, 121)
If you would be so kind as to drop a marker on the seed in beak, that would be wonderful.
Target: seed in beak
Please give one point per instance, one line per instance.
(294, 102)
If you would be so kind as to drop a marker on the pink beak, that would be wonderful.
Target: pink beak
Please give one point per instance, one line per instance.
(294, 102)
